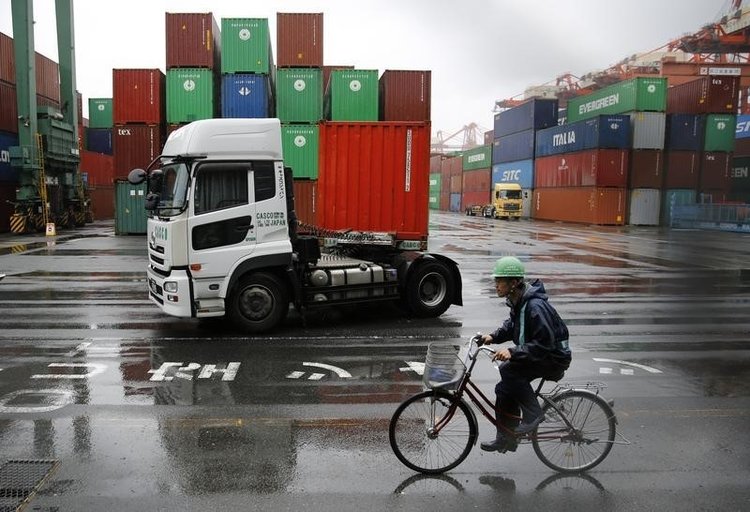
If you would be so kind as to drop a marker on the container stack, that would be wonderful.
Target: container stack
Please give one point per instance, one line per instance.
(739, 188)
(405, 95)
(513, 144)
(193, 65)
(451, 183)
(701, 140)
(98, 137)
(476, 177)
(643, 99)
(436, 183)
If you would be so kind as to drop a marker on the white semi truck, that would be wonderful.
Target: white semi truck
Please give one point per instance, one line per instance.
(223, 237)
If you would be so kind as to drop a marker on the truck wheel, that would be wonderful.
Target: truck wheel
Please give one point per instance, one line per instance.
(429, 290)
(258, 303)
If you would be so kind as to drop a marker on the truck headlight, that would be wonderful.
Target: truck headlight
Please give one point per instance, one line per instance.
(170, 286)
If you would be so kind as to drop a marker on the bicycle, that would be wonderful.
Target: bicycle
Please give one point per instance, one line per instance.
(435, 430)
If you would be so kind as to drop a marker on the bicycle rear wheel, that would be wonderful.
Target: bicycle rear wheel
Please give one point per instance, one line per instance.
(414, 440)
(585, 445)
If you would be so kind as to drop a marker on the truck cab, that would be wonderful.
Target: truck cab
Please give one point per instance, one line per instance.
(506, 201)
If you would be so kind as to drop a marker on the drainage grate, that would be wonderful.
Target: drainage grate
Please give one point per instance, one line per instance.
(20, 479)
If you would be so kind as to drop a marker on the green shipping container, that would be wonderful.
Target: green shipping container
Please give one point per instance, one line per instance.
(100, 112)
(352, 95)
(720, 132)
(130, 208)
(246, 46)
(638, 94)
(479, 157)
(300, 143)
(436, 181)
(190, 95)
(434, 200)
(299, 95)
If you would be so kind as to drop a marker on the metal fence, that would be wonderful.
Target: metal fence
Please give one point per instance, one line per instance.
(723, 217)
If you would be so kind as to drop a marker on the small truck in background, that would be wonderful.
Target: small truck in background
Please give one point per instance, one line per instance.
(506, 203)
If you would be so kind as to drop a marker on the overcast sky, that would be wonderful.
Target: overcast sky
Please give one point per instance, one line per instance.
(478, 51)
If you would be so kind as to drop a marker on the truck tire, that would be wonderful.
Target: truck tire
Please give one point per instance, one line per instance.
(258, 303)
(429, 289)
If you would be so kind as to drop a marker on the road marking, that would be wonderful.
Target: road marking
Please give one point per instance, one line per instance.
(627, 363)
(414, 366)
(60, 398)
(95, 369)
(335, 369)
(80, 348)
(295, 375)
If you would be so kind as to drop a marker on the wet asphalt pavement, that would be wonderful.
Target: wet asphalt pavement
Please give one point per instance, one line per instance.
(118, 407)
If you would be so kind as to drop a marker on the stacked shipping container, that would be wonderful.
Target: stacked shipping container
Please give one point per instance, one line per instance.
(476, 180)
(739, 188)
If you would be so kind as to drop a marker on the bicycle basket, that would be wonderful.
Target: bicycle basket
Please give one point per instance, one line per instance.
(442, 367)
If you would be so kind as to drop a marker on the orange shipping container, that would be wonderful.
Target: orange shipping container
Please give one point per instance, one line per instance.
(304, 201)
(585, 205)
(102, 201)
(99, 168)
(375, 177)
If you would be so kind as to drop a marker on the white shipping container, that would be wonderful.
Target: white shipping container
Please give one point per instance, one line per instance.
(527, 209)
(644, 207)
(648, 129)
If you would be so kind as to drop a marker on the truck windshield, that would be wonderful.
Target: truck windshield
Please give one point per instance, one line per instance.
(174, 189)
(509, 194)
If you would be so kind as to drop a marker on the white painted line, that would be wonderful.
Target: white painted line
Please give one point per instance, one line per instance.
(606, 371)
(316, 376)
(95, 369)
(414, 366)
(80, 348)
(60, 398)
(335, 369)
(295, 375)
(627, 363)
(626, 371)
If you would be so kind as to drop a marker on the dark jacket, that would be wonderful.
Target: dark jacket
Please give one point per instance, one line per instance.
(545, 334)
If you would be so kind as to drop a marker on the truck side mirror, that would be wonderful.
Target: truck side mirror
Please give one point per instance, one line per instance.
(155, 181)
(137, 176)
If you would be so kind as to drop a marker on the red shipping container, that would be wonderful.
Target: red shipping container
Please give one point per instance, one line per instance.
(681, 169)
(102, 201)
(706, 95)
(99, 168)
(716, 171)
(405, 95)
(299, 39)
(474, 198)
(457, 184)
(436, 164)
(9, 109)
(375, 177)
(135, 146)
(193, 41)
(591, 168)
(646, 168)
(305, 192)
(7, 59)
(742, 147)
(47, 78)
(586, 205)
(445, 201)
(138, 96)
(477, 181)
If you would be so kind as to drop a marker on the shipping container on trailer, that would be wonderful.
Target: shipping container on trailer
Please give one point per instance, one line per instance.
(100, 112)
(585, 205)
(647, 130)
(299, 39)
(138, 96)
(520, 171)
(590, 168)
(481, 198)
(685, 132)
(300, 144)
(405, 95)
(478, 180)
(514, 147)
(246, 46)
(190, 95)
(740, 174)
(99, 140)
(681, 169)
(455, 202)
(135, 146)
(479, 157)
(675, 197)
(193, 40)
(705, 95)
(716, 170)
(299, 95)
(7, 173)
(642, 94)
(305, 201)
(720, 132)
(375, 176)
(646, 169)
(130, 208)
(246, 95)
(7, 195)
(9, 110)
(352, 95)
(98, 167)
(609, 131)
(644, 207)
(534, 114)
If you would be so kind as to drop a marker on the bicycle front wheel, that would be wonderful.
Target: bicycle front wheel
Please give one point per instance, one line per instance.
(432, 432)
(587, 443)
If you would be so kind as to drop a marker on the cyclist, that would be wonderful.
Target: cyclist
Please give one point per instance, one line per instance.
(541, 350)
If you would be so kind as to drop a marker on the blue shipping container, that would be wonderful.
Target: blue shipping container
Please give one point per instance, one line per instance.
(511, 148)
(7, 173)
(535, 114)
(521, 172)
(685, 132)
(743, 127)
(611, 131)
(99, 140)
(245, 95)
(455, 204)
